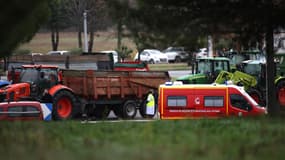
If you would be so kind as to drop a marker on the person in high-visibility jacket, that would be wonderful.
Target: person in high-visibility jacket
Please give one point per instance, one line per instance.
(150, 104)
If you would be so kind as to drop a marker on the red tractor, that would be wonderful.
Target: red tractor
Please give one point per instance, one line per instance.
(30, 87)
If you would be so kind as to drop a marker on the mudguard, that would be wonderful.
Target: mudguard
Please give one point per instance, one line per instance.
(278, 79)
(57, 88)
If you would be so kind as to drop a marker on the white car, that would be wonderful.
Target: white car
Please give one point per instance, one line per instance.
(176, 54)
(152, 56)
(203, 52)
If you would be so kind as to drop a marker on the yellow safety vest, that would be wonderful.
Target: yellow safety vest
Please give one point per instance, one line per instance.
(150, 102)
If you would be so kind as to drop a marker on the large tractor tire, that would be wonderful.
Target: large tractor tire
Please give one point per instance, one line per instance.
(256, 95)
(101, 111)
(280, 89)
(64, 106)
(129, 109)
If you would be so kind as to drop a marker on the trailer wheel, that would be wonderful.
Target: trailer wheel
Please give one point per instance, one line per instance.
(64, 106)
(255, 94)
(281, 93)
(101, 111)
(129, 109)
(142, 109)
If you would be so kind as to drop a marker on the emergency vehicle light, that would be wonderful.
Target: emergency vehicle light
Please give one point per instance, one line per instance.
(175, 83)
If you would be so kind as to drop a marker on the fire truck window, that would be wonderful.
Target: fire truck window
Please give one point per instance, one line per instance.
(214, 101)
(176, 101)
(239, 101)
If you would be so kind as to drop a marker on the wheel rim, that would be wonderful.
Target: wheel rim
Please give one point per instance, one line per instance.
(130, 110)
(177, 59)
(64, 107)
(281, 96)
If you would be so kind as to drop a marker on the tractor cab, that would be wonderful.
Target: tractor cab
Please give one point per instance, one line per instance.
(205, 70)
(39, 77)
(255, 68)
(31, 82)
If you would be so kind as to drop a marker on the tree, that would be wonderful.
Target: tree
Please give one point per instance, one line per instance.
(19, 22)
(155, 21)
(96, 16)
(124, 52)
(56, 21)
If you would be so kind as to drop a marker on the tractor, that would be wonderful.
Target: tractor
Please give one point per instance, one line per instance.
(205, 70)
(257, 90)
(65, 104)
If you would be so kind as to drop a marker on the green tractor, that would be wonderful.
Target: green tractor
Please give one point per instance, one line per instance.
(236, 58)
(205, 70)
(257, 70)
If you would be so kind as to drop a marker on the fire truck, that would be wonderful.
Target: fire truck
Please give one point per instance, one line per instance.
(178, 101)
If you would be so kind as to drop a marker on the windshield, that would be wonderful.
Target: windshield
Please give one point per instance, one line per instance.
(252, 69)
(203, 67)
(248, 97)
(33, 74)
(29, 75)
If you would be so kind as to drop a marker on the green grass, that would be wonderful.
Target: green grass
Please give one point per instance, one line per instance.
(183, 139)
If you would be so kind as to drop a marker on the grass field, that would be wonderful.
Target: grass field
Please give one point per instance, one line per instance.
(41, 43)
(214, 139)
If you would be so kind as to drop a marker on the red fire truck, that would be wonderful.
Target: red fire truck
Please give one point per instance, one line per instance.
(178, 101)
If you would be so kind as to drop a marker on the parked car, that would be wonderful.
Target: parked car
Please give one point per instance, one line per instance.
(58, 53)
(152, 56)
(202, 52)
(176, 54)
(25, 110)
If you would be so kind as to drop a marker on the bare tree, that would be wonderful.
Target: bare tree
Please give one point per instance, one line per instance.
(96, 16)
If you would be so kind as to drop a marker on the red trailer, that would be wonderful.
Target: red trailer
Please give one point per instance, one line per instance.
(121, 91)
(198, 101)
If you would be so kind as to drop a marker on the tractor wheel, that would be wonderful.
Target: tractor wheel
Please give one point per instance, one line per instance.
(255, 94)
(101, 111)
(281, 93)
(151, 61)
(64, 106)
(129, 109)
